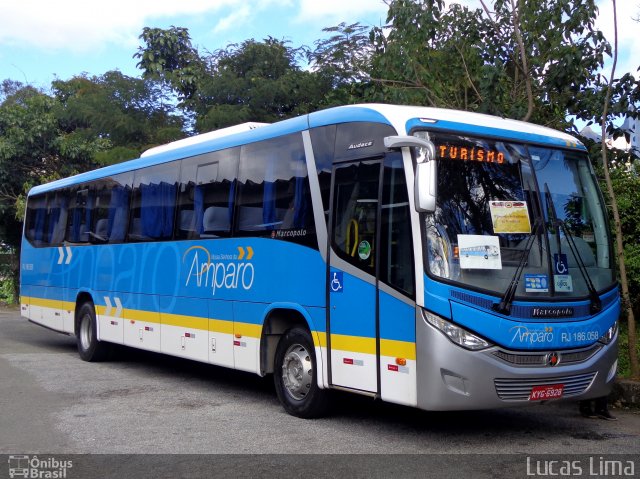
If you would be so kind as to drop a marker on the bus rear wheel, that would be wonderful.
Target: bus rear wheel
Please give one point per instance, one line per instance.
(295, 376)
(89, 348)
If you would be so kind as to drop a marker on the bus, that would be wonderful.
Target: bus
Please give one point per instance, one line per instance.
(325, 250)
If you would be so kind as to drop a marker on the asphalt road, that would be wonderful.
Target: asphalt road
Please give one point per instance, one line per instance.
(51, 402)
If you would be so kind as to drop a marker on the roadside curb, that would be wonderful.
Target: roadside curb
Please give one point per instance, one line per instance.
(625, 393)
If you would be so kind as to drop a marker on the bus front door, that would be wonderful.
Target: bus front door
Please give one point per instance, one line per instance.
(353, 333)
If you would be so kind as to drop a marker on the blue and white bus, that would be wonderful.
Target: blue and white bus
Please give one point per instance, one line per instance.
(325, 250)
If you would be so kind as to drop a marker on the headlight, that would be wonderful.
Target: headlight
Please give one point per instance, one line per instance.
(456, 334)
(610, 334)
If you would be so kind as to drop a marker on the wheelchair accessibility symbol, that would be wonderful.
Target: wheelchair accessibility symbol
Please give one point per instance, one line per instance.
(335, 282)
(560, 263)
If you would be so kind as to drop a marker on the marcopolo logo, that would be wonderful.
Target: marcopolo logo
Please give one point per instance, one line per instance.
(35, 467)
(217, 270)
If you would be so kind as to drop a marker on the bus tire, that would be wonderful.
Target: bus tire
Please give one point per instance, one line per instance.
(89, 348)
(295, 376)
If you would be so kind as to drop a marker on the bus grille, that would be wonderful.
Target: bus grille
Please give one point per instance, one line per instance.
(520, 389)
(540, 358)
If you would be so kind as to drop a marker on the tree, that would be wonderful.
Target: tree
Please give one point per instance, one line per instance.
(257, 81)
(617, 225)
(523, 60)
(250, 81)
(344, 62)
(169, 57)
(34, 148)
(131, 113)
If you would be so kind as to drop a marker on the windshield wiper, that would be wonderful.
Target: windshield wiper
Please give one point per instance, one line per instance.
(595, 302)
(504, 306)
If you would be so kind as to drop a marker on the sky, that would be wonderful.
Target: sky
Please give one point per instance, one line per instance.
(41, 40)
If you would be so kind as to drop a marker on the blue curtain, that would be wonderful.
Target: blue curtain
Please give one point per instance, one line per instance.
(167, 205)
(76, 221)
(38, 233)
(118, 213)
(54, 217)
(232, 201)
(198, 208)
(269, 209)
(157, 206)
(87, 214)
(300, 204)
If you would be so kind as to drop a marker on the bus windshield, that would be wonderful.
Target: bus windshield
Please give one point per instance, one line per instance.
(494, 197)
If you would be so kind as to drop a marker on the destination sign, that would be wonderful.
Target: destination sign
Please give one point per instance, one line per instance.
(469, 153)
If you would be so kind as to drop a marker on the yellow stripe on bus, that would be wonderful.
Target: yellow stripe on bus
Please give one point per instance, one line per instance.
(192, 322)
(248, 329)
(356, 344)
(45, 303)
(221, 326)
(367, 345)
(397, 349)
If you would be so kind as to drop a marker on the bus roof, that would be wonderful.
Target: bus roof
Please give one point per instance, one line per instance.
(402, 118)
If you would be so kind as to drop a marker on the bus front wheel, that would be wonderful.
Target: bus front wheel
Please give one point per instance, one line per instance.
(89, 348)
(295, 376)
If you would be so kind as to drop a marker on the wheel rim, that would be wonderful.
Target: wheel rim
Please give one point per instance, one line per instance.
(85, 332)
(297, 372)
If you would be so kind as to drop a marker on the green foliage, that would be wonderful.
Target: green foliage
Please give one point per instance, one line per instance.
(7, 288)
(626, 185)
(257, 81)
(169, 57)
(33, 147)
(343, 62)
(130, 113)
(624, 369)
(472, 60)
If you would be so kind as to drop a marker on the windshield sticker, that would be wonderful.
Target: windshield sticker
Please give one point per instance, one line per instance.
(364, 249)
(510, 217)
(588, 236)
(563, 283)
(536, 283)
(479, 252)
(560, 264)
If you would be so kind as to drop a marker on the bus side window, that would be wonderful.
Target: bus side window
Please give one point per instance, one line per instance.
(58, 204)
(396, 252)
(153, 202)
(206, 195)
(355, 206)
(35, 220)
(111, 209)
(80, 214)
(323, 140)
(274, 191)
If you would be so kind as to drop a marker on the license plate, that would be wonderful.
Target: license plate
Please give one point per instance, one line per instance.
(541, 393)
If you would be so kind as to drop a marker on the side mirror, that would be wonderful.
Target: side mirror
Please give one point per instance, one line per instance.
(425, 179)
(425, 187)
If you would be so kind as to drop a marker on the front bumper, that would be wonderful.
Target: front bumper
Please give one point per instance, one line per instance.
(453, 378)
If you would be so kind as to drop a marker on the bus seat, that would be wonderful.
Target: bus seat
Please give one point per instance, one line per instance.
(84, 234)
(216, 218)
(250, 218)
(136, 229)
(186, 222)
(102, 227)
